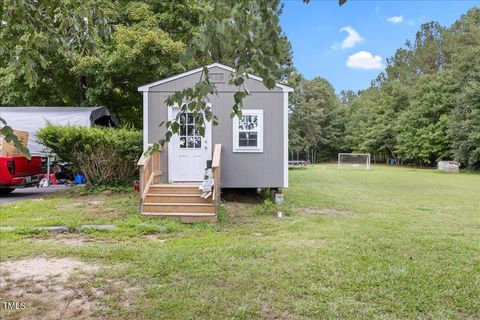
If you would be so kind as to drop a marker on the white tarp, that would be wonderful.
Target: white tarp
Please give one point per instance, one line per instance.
(32, 119)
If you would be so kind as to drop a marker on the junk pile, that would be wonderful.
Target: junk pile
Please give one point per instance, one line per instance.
(207, 185)
(449, 166)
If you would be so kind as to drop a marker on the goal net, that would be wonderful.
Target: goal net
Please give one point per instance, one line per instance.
(354, 160)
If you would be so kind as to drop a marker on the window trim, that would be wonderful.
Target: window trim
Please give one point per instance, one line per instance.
(259, 147)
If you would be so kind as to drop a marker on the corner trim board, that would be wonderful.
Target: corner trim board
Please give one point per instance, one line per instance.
(145, 120)
(170, 148)
(285, 139)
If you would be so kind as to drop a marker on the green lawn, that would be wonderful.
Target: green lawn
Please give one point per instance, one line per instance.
(392, 243)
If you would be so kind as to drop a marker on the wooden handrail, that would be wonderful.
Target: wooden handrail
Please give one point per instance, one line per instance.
(216, 170)
(216, 155)
(150, 172)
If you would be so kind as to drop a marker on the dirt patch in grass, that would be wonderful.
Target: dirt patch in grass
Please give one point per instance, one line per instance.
(62, 288)
(99, 209)
(94, 206)
(74, 241)
(82, 201)
(41, 269)
(305, 242)
(71, 240)
(235, 209)
(324, 212)
(237, 213)
(43, 285)
(155, 237)
(257, 234)
(69, 205)
(269, 312)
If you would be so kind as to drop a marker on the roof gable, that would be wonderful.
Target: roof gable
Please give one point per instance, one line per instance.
(147, 87)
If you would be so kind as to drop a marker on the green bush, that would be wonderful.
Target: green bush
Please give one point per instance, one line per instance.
(104, 155)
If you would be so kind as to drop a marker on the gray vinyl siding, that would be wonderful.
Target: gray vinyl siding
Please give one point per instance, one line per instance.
(239, 170)
(158, 112)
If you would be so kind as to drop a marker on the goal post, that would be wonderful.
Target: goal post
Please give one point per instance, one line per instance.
(354, 160)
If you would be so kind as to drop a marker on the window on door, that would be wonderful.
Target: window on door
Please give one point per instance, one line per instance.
(248, 131)
(190, 137)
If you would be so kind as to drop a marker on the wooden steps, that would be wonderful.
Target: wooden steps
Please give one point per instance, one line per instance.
(178, 207)
(175, 198)
(179, 201)
(174, 189)
(185, 217)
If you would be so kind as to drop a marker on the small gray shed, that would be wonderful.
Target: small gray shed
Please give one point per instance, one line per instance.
(254, 148)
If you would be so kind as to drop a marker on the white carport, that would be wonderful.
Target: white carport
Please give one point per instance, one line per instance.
(32, 119)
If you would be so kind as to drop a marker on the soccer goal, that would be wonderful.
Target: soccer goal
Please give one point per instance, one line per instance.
(354, 160)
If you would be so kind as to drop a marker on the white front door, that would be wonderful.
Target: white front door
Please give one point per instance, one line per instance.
(188, 152)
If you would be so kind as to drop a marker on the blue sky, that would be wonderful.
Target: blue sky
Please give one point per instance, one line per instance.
(326, 37)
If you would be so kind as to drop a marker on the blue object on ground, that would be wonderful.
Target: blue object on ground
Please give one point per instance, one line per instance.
(79, 179)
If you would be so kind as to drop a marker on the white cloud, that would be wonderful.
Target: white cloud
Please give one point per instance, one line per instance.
(334, 46)
(350, 41)
(395, 19)
(364, 60)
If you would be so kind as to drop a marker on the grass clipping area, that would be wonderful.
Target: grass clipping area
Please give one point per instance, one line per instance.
(392, 243)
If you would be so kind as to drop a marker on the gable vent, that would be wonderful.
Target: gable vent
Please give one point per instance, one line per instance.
(217, 77)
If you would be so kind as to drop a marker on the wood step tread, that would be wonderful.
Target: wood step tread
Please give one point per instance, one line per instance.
(169, 185)
(178, 204)
(179, 214)
(175, 195)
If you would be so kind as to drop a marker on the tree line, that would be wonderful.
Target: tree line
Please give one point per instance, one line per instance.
(423, 108)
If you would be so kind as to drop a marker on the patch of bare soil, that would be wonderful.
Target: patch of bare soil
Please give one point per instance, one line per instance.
(236, 212)
(155, 237)
(69, 205)
(40, 269)
(268, 312)
(257, 234)
(44, 286)
(93, 204)
(306, 242)
(325, 212)
(71, 240)
(235, 208)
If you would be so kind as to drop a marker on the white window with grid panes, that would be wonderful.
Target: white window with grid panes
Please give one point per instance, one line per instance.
(190, 137)
(248, 131)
